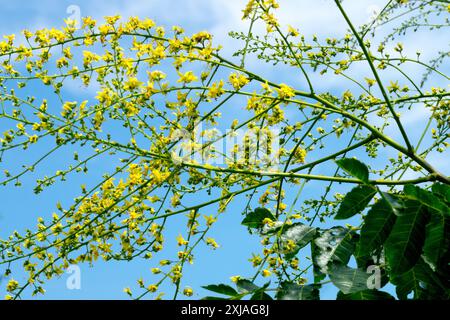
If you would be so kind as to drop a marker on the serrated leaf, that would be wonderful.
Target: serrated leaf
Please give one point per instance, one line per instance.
(354, 168)
(365, 295)
(426, 198)
(222, 289)
(255, 218)
(293, 291)
(404, 245)
(347, 279)
(355, 201)
(334, 245)
(376, 228)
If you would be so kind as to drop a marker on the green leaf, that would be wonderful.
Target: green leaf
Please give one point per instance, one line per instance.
(293, 291)
(355, 201)
(395, 201)
(354, 168)
(260, 294)
(434, 247)
(222, 289)
(347, 279)
(426, 198)
(334, 245)
(376, 228)
(299, 233)
(245, 285)
(412, 281)
(255, 218)
(365, 295)
(315, 253)
(404, 245)
(441, 190)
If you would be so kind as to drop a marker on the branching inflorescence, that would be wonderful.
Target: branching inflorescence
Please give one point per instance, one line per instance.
(162, 95)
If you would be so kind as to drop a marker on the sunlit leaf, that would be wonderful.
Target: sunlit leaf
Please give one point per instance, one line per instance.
(355, 201)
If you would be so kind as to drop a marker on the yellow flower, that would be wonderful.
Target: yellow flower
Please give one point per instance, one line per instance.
(10, 38)
(156, 270)
(89, 57)
(112, 19)
(156, 75)
(164, 262)
(216, 90)
(292, 32)
(256, 260)
(266, 273)
(147, 24)
(152, 288)
(127, 291)
(393, 86)
(299, 155)
(132, 84)
(33, 139)
(181, 241)
(27, 34)
(188, 292)
(211, 242)
(294, 263)
(268, 221)
(158, 176)
(266, 87)
(104, 96)
(238, 80)
(285, 92)
(201, 36)
(370, 82)
(188, 77)
(12, 285)
(20, 126)
(88, 22)
(210, 220)
(104, 29)
(347, 95)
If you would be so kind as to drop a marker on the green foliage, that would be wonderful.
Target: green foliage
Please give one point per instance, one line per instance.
(292, 291)
(222, 289)
(355, 201)
(405, 242)
(348, 280)
(355, 168)
(377, 226)
(255, 219)
(404, 234)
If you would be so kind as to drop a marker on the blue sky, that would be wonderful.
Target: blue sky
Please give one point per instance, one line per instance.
(20, 207)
